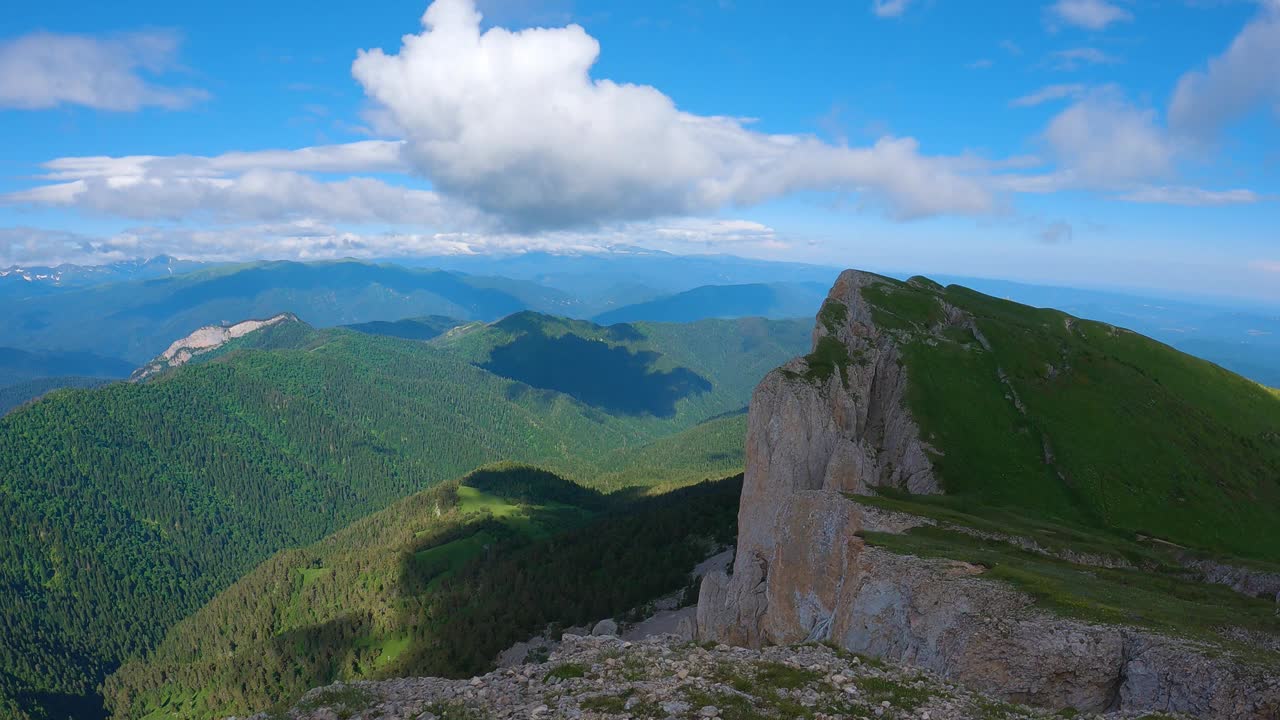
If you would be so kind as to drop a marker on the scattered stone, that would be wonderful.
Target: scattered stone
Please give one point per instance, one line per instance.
(665, 677)
(675, 707)
(605, 627)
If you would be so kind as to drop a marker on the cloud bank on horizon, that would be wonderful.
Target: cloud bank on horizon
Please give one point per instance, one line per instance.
(488, 139)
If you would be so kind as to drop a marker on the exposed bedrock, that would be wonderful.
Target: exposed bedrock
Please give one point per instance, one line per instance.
(803, 573)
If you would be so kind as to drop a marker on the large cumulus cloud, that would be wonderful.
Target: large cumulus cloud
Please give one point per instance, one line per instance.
(514, 124)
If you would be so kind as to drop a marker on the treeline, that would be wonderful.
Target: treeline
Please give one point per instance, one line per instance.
(369, 601)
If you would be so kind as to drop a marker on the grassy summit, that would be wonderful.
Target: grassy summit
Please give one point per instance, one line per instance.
(1086, 423)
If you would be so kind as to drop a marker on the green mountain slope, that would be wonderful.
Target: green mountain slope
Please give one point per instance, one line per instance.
(11, 396)
(1086, 423)
(136, 320)
(647, 371)
(131, 505)
(438, 583)
(20, 365)
(775, 300)
(422, 328)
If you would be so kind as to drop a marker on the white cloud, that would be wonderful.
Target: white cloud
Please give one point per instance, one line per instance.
(513, 124)
(299, 240)
(714, 232)
(255, 195)
(1049, 93)
(1268, 266)
(309, 239)
(1104, 141)
(889, 8)
(1234, 83)
(246, 186)
(365, 156)
(45, 70)
(1075, 58)
(1089, 14)
(1191, 196)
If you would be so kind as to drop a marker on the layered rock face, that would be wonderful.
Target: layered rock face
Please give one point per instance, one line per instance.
(203, 340)
(802, 573)
(810, 438)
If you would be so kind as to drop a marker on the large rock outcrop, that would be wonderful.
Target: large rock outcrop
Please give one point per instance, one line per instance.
(205, 340)
(830, 422)
(820, 431)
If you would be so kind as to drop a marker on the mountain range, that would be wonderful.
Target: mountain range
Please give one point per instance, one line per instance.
(133, 504)
(407, 470)
(144, 305)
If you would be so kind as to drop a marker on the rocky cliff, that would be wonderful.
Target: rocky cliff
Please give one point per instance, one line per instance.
(204, 340)
(833, 425)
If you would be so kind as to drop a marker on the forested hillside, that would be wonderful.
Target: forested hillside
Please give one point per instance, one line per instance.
(420, 328)
(136, 320)
(646, 371)
(20, 365)
(12, 396)
(131, 505)
(438, 583)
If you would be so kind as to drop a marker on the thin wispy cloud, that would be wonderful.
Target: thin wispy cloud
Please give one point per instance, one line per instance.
(1050, 93)
(1088, 14)
(118, 72)
(1106, 141)
(1076, 58)
(1191, 196)
(889, 8)
(1234, 83)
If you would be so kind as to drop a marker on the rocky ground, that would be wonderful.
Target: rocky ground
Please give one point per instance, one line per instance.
(665, 677)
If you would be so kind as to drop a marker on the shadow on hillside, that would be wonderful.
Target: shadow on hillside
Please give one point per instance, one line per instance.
(319, 654)
(614, 379)
(573, 555)
(637, 547)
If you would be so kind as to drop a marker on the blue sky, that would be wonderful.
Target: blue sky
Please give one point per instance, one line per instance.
(1117, 143)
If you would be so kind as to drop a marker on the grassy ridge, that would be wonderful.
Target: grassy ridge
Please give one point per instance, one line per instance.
(132, 505)
(1087, 423)
(437, 583)
(1146, 585)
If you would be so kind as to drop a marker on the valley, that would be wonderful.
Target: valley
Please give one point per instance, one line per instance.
(281, 506)
(159, 494)
(675, 360)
